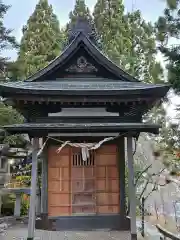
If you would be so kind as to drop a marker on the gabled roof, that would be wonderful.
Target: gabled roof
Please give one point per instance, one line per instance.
(82, 40)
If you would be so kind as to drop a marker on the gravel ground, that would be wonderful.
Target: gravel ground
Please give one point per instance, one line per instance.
(20, 233)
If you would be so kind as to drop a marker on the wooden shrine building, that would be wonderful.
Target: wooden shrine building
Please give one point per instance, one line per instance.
(82, 97)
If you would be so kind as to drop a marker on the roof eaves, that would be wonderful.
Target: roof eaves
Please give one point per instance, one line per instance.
(157, 90)
(90, 127)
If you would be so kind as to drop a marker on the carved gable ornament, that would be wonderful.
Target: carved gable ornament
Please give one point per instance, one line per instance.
(82, 66)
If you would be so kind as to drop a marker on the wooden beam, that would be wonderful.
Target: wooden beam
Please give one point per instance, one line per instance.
(44, 188)
(82, 119)
(121, 166)
(131, 188)
(74, 100)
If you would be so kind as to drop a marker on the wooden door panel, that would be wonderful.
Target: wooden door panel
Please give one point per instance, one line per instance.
(89, 185)
(64, 173)
(65, 186)
(60, 161)
(100, 185)
(102, 198)
(53, 173)
(90, 188)
(83, 184)
(77, 186)
(114, 185)
(83, 198)
(59, 186)
(59, 199)
(83, 210)
(53, 186)
(52, 151)
(107, 149)
(112, 172)
(103, 210)
(89, 172)
(83, 191)
(115, 209)
(115, 198)
(107, 180)
(76, 173)
(106, 159)
(101, 172)
(59, 211)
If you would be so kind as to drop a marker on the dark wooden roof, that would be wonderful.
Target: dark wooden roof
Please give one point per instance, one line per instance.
(82, 70)
(77, 87)
(82, 41)
(39, 128)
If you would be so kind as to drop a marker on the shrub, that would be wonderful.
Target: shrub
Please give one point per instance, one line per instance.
(24, 205)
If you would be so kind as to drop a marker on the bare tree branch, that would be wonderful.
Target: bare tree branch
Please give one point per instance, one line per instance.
(141, 173)
(144, 189)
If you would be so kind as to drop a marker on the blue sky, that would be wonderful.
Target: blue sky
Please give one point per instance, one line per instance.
(20, 11)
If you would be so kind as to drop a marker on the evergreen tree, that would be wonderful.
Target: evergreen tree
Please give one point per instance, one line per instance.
(142, 58)
(7, 114)
(80, 10)
(168, 27)
(128, 40)
(112, 28)
(12, 71)
(6, 40)
(42, 40)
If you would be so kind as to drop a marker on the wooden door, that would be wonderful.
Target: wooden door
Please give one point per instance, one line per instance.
(77, 187)
(59, 182)
(83, 184)
(107, 180)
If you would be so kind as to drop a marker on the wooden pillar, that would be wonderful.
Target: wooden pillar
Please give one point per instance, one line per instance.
(131, 187)
(122, 184)
(44, 188)
(32, 209)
